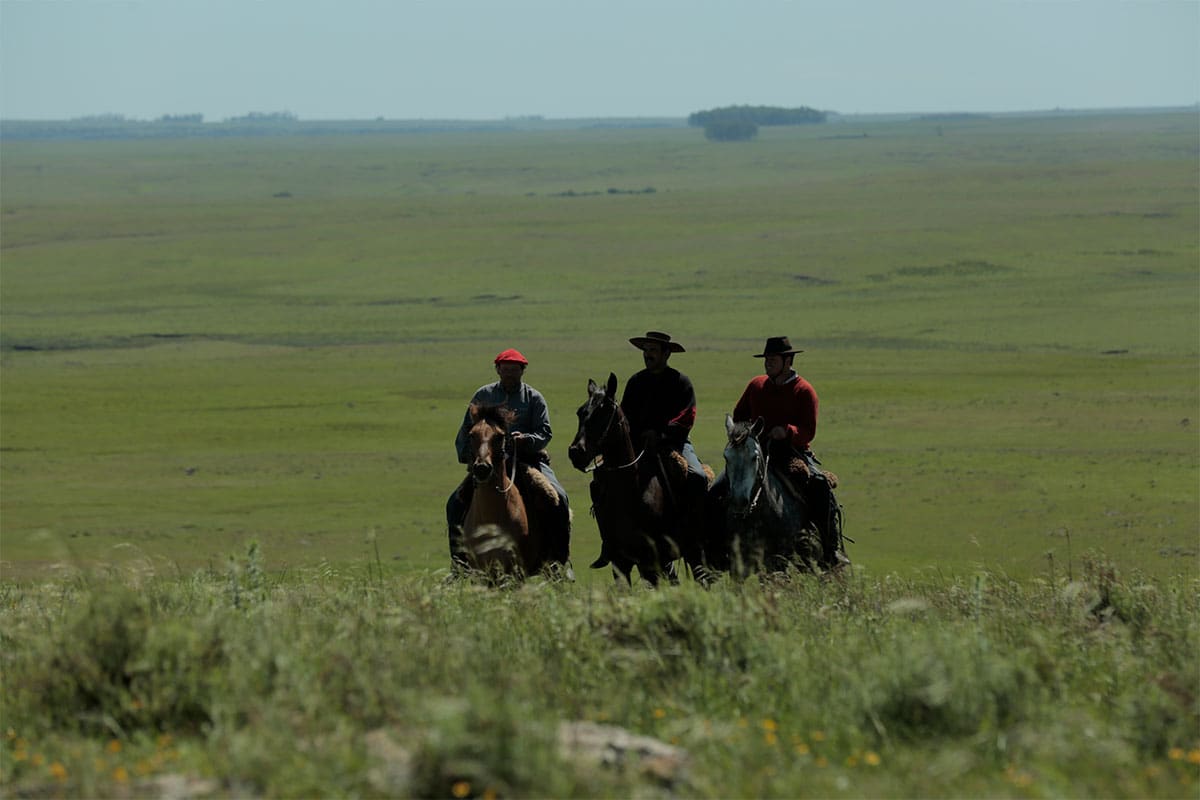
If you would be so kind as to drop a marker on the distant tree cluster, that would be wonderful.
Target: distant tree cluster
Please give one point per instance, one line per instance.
(181, 118)
(268, 116)
(739, 123)
(101, 118)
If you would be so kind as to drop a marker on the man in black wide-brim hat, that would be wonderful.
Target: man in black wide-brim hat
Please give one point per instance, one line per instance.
(660, 404)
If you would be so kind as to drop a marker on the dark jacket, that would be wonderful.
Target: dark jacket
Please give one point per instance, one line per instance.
(665, 403)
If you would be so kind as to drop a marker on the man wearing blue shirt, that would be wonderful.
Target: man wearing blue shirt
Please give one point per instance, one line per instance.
(530, 435)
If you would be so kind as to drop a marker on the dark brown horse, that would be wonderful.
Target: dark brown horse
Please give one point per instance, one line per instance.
(632, 506)
(499, 536)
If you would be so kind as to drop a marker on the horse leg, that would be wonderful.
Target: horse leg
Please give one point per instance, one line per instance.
(622, 569)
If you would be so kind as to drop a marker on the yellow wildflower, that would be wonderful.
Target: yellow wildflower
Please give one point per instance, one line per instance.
(770, 738)
(769, 725)
(120, 775)
(1194, 756)
(460, 789)
(822, 762)
(872, 758)
(1175, 754)
(114, 745)
(818, 736)
(851, 760)
(659, 713)
(802, 748)
(37, 760)
(58, 771)
(489, 794)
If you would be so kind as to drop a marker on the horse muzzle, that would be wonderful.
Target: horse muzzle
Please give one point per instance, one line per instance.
(740, 508)
(578, 456)
(481, 471)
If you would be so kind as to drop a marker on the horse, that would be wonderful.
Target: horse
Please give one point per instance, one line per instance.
(500, 537)
(768, 524)
(631, 505)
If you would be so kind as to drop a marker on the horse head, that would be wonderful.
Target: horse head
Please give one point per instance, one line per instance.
(489, 440)
(745, 465)
(598, 417)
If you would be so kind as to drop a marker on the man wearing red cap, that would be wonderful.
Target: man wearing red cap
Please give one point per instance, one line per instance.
(531, 434)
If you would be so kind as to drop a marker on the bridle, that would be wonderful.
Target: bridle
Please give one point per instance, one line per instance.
(504, 449)
(612, 418)
(760, 475)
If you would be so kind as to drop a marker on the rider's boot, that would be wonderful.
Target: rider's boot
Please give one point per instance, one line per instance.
(456, 513)
(825, 514)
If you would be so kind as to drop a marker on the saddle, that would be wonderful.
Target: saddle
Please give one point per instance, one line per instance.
(796, 470)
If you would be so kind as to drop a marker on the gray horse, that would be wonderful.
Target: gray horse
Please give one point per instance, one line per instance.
(767, 522)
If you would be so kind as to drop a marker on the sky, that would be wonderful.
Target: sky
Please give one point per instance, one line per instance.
(491, 59)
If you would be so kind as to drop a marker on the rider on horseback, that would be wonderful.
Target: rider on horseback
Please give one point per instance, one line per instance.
(787, 403)
(530, 435)
(660, 403)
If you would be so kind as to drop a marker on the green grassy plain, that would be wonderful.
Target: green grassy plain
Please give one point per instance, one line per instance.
(207, 342)
(232, 371)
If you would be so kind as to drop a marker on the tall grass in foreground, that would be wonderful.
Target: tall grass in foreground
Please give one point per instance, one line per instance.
(246, 683)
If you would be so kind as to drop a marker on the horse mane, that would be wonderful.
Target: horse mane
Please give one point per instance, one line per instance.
(740, 432)
(498, 415)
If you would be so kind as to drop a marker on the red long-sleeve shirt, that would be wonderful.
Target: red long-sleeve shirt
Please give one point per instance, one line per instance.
(792, 405)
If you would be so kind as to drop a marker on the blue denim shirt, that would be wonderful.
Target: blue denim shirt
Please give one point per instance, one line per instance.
(533, 419)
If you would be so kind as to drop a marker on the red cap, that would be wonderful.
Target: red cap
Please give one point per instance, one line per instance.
(512, 355)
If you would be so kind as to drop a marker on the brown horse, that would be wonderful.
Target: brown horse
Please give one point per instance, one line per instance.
(498, 536)
(632, 509)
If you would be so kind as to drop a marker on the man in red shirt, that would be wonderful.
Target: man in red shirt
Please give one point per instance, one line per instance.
(788, 404)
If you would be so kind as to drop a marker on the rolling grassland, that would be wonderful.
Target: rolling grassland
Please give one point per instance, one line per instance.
(208, 341)
(232, 370)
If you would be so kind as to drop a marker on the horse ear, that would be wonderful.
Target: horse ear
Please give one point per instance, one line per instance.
(757, 427)
(728, 425)
(611, 388)
(593, 387)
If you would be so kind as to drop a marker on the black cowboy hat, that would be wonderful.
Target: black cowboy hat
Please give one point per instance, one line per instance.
(658, 338)
(777, 346)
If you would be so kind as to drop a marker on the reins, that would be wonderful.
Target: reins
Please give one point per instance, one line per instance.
(597, 463)
(761, 475)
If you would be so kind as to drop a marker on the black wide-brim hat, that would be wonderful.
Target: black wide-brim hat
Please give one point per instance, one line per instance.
(658, 338)
(777, 346)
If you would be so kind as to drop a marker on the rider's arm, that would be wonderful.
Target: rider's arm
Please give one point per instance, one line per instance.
(679, 427)
(803, 427)
(539, 433)
(462, 441)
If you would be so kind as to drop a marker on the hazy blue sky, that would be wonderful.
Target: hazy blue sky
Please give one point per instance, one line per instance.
(486, 59)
